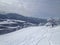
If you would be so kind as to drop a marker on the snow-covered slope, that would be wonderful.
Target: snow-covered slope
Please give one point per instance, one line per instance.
(39, 35)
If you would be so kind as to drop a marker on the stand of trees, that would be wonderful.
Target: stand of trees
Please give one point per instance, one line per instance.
(53, 22)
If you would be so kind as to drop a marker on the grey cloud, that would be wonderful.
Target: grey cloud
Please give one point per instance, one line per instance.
(44, 8)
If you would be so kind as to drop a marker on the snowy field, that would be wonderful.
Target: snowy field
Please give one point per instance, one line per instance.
(39, 35)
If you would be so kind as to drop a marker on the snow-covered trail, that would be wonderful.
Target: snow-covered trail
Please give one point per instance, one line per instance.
(39, 35)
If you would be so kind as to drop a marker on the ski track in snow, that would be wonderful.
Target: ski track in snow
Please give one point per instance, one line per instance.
(39, 35)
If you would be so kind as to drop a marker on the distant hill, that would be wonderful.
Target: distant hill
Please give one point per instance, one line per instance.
(24, 18)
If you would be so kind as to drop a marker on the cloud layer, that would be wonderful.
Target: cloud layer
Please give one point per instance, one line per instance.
(37, 8)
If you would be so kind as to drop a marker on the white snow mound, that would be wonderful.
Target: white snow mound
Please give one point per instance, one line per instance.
(39, 35)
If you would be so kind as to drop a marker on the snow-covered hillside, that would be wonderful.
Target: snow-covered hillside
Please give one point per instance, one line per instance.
(10, 25)
(39, 35)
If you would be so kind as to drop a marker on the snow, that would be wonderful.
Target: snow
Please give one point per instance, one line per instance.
(19, 21)
(13, 27)
(38, 35)
(7, 22)
(1, 29)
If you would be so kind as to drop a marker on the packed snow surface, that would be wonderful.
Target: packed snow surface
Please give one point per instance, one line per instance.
(40, 35)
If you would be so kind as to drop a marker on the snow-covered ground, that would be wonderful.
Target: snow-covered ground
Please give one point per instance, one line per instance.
(39, 35)
(6, 22)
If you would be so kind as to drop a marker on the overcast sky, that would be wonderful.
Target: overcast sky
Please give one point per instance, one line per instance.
(35, 8)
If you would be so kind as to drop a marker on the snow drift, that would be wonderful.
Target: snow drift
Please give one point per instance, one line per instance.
(39, 35)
